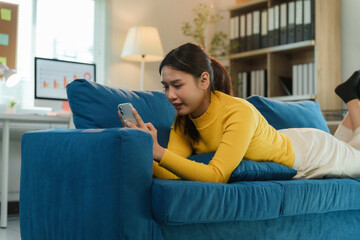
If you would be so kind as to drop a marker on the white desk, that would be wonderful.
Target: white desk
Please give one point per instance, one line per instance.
(6, 119)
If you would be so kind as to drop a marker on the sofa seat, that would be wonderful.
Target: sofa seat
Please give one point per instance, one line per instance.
(319, 196)
(177, 202)
(183, 202)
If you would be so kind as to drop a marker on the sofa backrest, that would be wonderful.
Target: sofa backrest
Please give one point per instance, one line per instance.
(95, 106)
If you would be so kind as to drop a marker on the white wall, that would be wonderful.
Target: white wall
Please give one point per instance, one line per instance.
(167, 16)
(350, 37)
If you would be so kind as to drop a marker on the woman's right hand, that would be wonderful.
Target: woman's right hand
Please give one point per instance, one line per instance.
(158, 151)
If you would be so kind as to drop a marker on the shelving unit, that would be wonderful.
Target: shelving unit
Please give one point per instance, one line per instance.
(324, 51)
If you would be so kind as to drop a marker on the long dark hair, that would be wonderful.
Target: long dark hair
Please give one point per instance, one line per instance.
(193, 59)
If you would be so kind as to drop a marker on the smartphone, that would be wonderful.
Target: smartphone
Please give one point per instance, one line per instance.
(126, 113)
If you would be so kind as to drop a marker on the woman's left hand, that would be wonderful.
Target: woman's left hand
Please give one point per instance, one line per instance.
(158, 151)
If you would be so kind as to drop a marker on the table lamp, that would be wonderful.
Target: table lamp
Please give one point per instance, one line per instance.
(142, 44)
(10, 75)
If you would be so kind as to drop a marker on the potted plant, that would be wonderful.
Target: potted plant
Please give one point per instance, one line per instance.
(218, 45)
(11, 106)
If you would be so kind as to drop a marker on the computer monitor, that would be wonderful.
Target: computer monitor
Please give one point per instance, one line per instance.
(52, 76)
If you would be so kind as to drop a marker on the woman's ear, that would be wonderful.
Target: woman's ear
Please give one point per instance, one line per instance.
(204, 81)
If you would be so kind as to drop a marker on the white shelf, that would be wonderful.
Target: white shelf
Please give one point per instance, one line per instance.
(295, 98)
(280, 48)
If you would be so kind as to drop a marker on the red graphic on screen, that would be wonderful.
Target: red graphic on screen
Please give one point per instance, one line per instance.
(56, 84)
(87, 76)
(65, 82)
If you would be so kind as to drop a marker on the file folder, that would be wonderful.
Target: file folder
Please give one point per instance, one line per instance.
(309, 20)
(256, 30)
(237, 33)
(242, 39)
(283, 23)
(291, 22)
(233, 44)
(264, 29)
(276, 25)
(299, 16)
(249, 28)
(271, 26)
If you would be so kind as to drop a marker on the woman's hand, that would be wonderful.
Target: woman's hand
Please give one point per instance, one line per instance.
(158, 151)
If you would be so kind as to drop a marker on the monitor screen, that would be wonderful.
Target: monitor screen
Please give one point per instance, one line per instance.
(52, 76)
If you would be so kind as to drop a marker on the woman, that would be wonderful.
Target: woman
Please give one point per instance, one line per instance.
(210, 120)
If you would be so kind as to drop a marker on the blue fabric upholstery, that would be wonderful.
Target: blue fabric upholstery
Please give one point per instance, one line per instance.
(280, 115)
(325, 226)
(179, 202)
(320, 196)
(86, 184)
(251, 170)
(95, 106)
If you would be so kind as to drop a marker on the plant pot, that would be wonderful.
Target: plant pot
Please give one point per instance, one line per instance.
(10, 110)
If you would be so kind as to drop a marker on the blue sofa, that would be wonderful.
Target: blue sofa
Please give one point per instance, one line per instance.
(95, 182)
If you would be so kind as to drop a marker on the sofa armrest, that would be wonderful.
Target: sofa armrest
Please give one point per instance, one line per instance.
(86, 184)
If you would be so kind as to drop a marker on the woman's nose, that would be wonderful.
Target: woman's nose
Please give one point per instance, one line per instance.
(171, 94)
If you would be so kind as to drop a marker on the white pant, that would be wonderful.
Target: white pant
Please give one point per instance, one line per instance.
(321, 155)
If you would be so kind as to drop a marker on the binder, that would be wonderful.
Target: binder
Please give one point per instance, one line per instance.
(233, 47)
(264, 81)
(294, 80)
(249, 28)
(253, 83)
(258, 83)
(300, 80)
(264, 29)
(276, 25)
(311, 78)
(256, 30)
(237, 33)
(291, 22)
(271, 27)
(242, 39)
(238, 90)
(305, 68)
(283, 23)
(246, 84)
(299, 20)
(309, 30)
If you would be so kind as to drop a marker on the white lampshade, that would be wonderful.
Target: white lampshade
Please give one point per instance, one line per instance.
(143, 44)
(10, 75)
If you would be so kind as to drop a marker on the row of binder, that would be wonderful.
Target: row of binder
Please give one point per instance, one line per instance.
(288, 22)
(252, 83)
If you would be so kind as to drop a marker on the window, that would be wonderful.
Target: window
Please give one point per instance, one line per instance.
(63, 29)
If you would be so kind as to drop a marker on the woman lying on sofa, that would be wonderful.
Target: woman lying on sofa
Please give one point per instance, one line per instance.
(210, 120)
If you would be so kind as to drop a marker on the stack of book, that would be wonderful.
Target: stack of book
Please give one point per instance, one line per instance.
(252, 83)
(288, 22)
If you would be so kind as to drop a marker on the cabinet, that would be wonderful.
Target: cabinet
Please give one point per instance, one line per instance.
(324, 50)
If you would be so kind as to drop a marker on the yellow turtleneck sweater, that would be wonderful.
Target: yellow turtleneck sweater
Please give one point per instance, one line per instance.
(232, 128)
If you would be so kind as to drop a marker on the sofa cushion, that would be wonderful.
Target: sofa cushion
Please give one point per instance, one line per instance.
(183, 202)
(280, 115)
(95, 106)
(319, 196)
(251, 170)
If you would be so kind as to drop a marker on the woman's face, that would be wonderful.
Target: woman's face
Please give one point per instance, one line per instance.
(187, 94)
